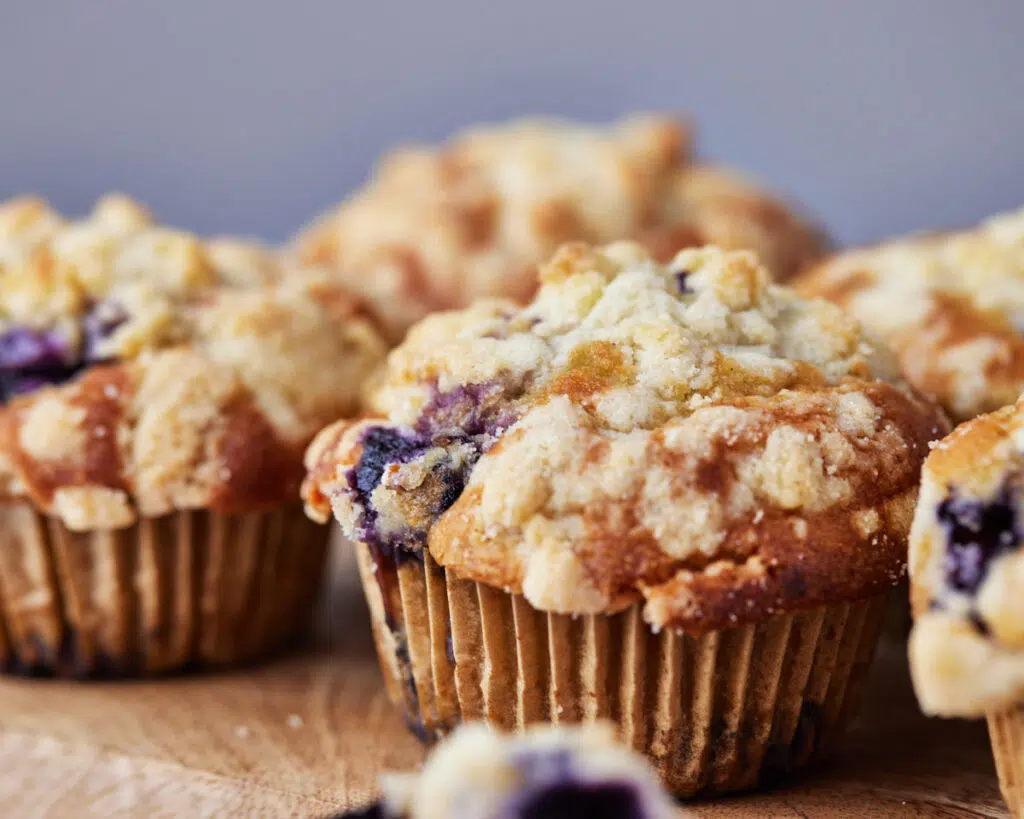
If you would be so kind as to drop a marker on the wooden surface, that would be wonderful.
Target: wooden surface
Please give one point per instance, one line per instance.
(308, 735)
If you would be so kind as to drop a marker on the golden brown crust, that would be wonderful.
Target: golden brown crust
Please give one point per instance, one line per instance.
(690, 435)
(438, 227)
(162, 373)
(948, 305)
(772, 554)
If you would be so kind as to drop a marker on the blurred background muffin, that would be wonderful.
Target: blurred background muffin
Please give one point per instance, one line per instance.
(437, 227)
(951, 306)
(156, 395)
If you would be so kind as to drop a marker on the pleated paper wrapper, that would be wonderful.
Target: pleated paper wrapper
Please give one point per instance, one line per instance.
(192, 589)
(729, 710)
(1006, 728)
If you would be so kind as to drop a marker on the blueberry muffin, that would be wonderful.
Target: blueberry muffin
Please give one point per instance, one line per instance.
(156, 396)
(437, 227)
(548, 773)
(967, 575)
(674, 496)
(951, 306)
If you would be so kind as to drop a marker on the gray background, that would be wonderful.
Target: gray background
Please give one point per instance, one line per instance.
(249, 116)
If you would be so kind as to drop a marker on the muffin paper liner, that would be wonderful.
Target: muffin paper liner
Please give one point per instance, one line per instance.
(190, 589)
(725, 711)
(1006, 729)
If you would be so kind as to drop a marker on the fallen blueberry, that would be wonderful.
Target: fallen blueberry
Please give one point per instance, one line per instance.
(549, 789)
(581, 800)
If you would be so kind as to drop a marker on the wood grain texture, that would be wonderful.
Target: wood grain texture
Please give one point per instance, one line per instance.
(308, 735)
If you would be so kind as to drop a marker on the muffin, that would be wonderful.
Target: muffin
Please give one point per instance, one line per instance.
(437, 227)
(966, 574)
(949, 305)
(674, 496)
(156, 396)
(548, 773)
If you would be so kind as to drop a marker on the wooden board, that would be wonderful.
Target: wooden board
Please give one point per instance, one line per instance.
(308, 735)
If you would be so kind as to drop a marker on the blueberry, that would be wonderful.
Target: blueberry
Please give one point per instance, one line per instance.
(976, 533)
(681, 277)
(31, 359)
(581, 800)
(549, 789)
(24, 349)
(383, 446)
(470, 417)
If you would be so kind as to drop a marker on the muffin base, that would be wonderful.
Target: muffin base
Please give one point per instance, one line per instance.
(193, 589)
(1006, 729)
(729, 710)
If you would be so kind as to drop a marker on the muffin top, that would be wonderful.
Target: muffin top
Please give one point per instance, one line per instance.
(144, 371)
(951, 306)
(967, 569)
(690, 435)
(437, 227)
(547, 773)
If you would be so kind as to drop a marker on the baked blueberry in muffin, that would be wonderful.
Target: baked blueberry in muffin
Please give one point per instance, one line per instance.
(950, 306)
(685, 451)
(437, 227)
(156, 395)
(546, 774)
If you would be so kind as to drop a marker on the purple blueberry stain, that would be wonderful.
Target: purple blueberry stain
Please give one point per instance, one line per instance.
(681, 277)
(22, 349)
(31, 359)
(976, 533)
(550, 789)
(468, 410)
(383, 446)
(469, 418)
